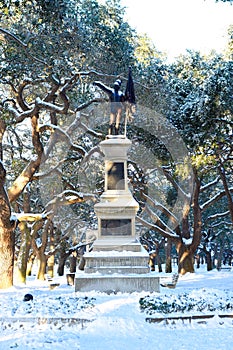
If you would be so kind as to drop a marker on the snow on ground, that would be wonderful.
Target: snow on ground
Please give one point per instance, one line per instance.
(111, 322)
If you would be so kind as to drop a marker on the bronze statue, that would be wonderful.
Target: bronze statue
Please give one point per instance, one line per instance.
(116, 98)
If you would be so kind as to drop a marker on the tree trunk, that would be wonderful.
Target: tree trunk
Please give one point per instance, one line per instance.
(42, 267)
(168, 249)
(185, 259)
(23, 252)
(61, 264)
(219, 259)
(209, 261)
(30, 264)
(50, 265)
(6, 236)
(25, 244)
(158, 247)
(226, 188)
(40, 251)
(152, 258)
(2, 131)
(73, 262)
(198, 261)
(62, 259)
(6, 257)
(61, 267)
(186, 252)
(185, 221)
(51, 259)
(160, 269)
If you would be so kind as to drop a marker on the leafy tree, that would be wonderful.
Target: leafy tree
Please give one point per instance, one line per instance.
(45, 83)
(198, 95)
(206, 123)
(51, 51)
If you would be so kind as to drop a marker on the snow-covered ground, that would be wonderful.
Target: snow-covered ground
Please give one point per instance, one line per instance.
(62, 319)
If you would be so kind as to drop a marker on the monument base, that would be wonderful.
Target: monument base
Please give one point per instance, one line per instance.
(112, 262)
(117, 283)
(116, 265)
(119, 244)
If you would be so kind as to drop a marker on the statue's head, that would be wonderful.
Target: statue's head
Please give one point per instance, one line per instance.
(117, 84)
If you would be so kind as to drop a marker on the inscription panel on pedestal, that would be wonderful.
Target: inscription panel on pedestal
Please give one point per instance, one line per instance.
(116, 227)
(115, 173)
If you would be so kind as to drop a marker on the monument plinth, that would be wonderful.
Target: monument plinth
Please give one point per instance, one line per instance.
(117, 208)
(118, 262)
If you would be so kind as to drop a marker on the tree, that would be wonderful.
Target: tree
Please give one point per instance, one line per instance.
(199, 104)
(50, 56)
(207, 109)
(6, 235)
(43, 92)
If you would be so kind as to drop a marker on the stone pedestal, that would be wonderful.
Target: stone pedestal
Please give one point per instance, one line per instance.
(118, 263)
(117, 208)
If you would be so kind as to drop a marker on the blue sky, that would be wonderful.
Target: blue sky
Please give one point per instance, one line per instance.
(177, 25)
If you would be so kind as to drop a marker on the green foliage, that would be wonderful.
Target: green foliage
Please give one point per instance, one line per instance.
(62, 37)
(53, 40)
(202, 102)
(202, 301)
(55, 304)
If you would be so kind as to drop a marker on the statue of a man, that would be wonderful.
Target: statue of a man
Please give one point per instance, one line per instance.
(116, 98)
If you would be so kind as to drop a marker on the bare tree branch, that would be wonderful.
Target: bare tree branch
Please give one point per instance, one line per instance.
(214, 199)
(174, 237)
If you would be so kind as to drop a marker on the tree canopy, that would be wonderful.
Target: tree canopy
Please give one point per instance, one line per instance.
(52, 118)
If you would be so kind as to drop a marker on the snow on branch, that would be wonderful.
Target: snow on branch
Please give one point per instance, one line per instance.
(173, 236)
(29, 217)
(218, 215)
(42, 175)
(21, 116)
(6, 33)
(214, 199)
(88, 103)
(88, 155)
(64, 137)
(81, 245)
(170, 178)
(159, 221)
(111, 76)
(90, 131)
(67, 197)
(207, 186)
(50, 106)
(12, 36)
(160, 207)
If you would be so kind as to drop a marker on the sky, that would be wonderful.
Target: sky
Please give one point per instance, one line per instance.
(177, 25)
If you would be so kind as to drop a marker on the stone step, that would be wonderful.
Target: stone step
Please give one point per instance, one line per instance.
(114, 284)
(104, 245)
(108, 270)
(115, 261)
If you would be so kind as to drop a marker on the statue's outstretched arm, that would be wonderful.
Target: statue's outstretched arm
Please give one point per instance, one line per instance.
(103, 87)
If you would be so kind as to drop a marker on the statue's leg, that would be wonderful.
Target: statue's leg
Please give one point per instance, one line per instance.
(111, 129)
(118, 119)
